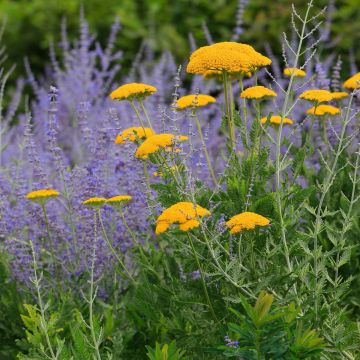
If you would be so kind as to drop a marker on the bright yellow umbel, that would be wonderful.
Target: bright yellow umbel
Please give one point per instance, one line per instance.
(246, 221)
(353, 82)
(191, 101)
(132, 91)
(297, 72)
(132, 133)
(276, 119)
(316, 95)
(42, 195)
(257, 92)
(186, 214)
(230, 57)
(323, 110)
(96, 202)
(157, 142)
(338, 95)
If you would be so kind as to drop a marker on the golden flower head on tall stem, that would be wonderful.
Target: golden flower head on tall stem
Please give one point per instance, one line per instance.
(95, 202)
(353, 82)
(295, 72)
(316, 95)
(276, 120)
(323, 110)
(257, 92)
(194, 101)
(246, 221)
(186, 214)
(157, 142)
(42, 196)
(133, 133)
(118, 201)
(132, 91)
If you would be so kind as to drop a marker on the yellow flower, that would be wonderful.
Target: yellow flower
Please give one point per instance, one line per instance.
(257, 92)
(186, 214)
(42, 195)
(119, 200)
(316, 95)
(324, 110)
(338, 95)
(297, 72)
(132, 91)
(246, 221)
(230, 57)
(97, 202)
(276, 119)
(353, 82)
(132, 133)
(198, 100)
(156, 142)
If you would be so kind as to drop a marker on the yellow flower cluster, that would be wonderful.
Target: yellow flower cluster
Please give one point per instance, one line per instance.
(198, 100)
(132, 91)
(95, 201)
(338, 95)
(246, 221)
(132, 133)
(297, 72)
(316, 95)
(119, 199)
(230, 57)
(42, 194)
(323, 110)
(353, 82)
(98, 202)
(156, 142)
(186, 214)
(276, 119)
(257, 92)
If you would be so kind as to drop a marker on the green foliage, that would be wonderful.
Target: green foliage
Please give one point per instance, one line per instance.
(166, 352)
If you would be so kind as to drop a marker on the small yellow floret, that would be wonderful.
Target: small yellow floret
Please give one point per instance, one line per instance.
(353, 82)
(297, 72)
(198, 100)
(316, 95)
(276, 119)
(156, 142)
(131, 91)
(186, 214)
(246, 221)
(132, 133)
(119, 199)
(338, 95)
(95, 201)
(42, 194)
(257, 92)
(323, 110)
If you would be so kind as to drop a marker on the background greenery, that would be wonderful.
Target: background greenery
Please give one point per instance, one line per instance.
(164, 24)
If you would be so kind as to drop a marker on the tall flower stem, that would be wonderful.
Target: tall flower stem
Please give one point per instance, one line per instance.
(137, 113)
(204, 147)
(228, 112)
(202, 277)
(52, 250)
(145, 113)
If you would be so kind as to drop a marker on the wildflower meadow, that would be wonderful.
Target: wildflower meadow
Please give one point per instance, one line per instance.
(207, 209)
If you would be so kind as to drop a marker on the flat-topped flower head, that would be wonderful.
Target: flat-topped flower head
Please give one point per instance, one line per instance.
(132, 133)
(316, 95)
(186, 214)
(276, 119)
(132, 91)
(353, 82)
(230, 57)
(119, 200)
(257, 92)
(192, 101)
(323, 110)
(157, 142)
(246, 221)
(295, 72)
(96, 202)
(338, 95)
(42, 196)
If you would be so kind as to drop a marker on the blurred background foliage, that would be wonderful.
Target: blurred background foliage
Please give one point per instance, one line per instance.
(163, 24)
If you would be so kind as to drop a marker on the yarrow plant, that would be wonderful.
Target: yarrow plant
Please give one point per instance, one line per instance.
(242, 244)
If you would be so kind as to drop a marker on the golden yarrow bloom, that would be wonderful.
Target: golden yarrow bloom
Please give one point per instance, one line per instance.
(192, 101)
(338, 95)
(230, 57)
(353, 82)
(276, 119)
(157, 142)
(316, 95)
(186, 214)
(132, 91)
(132, 133)
(42, 195)
(95, 202)
(118, 200)
(297, 72)
(257, 92)
(246, 221)
(323, 110)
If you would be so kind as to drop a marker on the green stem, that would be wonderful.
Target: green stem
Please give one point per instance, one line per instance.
(52, 250)
(145, 113)
(137, 114)
(228, 113)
